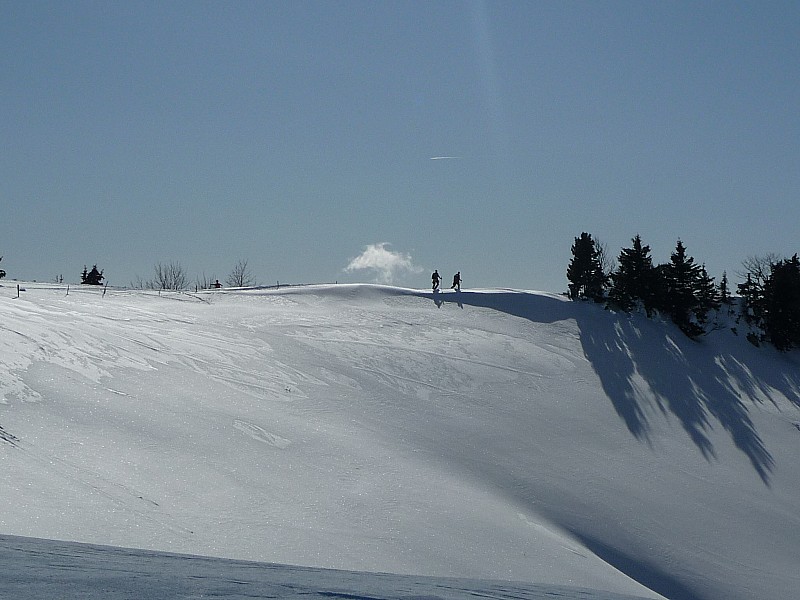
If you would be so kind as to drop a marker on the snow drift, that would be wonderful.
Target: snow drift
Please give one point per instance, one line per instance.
(490, 434)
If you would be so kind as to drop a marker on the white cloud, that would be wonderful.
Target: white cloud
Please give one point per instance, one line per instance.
(384, 263)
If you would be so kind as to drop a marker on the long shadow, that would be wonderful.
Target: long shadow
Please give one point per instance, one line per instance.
(535, 307)
(610, 357)
(639, 569)
(645, 366)
(648, 367)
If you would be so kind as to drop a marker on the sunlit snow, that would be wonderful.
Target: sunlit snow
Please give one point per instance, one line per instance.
(485, 436)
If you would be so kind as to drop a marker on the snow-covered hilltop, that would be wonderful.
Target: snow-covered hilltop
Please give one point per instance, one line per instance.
(489, 434)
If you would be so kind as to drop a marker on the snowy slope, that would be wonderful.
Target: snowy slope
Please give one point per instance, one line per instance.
(491, 434)
(35, 569)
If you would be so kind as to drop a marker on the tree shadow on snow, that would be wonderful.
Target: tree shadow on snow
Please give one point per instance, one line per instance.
(648, 367)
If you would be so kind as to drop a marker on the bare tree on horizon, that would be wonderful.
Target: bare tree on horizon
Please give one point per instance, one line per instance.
(240, 276)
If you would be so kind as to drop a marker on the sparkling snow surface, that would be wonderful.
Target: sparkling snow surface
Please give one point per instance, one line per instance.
(483, 435)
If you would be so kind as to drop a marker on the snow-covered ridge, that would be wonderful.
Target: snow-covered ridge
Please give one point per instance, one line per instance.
(491, 434)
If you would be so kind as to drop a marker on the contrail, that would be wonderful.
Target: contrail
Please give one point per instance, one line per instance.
(445, 157)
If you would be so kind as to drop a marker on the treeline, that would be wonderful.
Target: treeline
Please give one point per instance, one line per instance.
(768, 301)
(173, 276)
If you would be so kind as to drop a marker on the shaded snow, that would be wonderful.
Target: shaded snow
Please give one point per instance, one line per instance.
(488, 434)
(49, 569)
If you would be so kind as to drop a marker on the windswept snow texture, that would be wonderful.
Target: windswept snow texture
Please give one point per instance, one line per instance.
(490, 434)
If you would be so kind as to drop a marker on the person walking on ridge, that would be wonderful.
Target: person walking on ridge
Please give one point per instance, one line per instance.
(436, 278)
(456, 282)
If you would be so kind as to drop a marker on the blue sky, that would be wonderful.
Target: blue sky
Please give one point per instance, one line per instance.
(298, 135)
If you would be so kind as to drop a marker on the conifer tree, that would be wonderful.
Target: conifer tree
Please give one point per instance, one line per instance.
(585, 270)
(634, 279)
(707, 295)
(724, 292)
(782, 304)
(752, 308)
(682, 278)
(690, 292)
